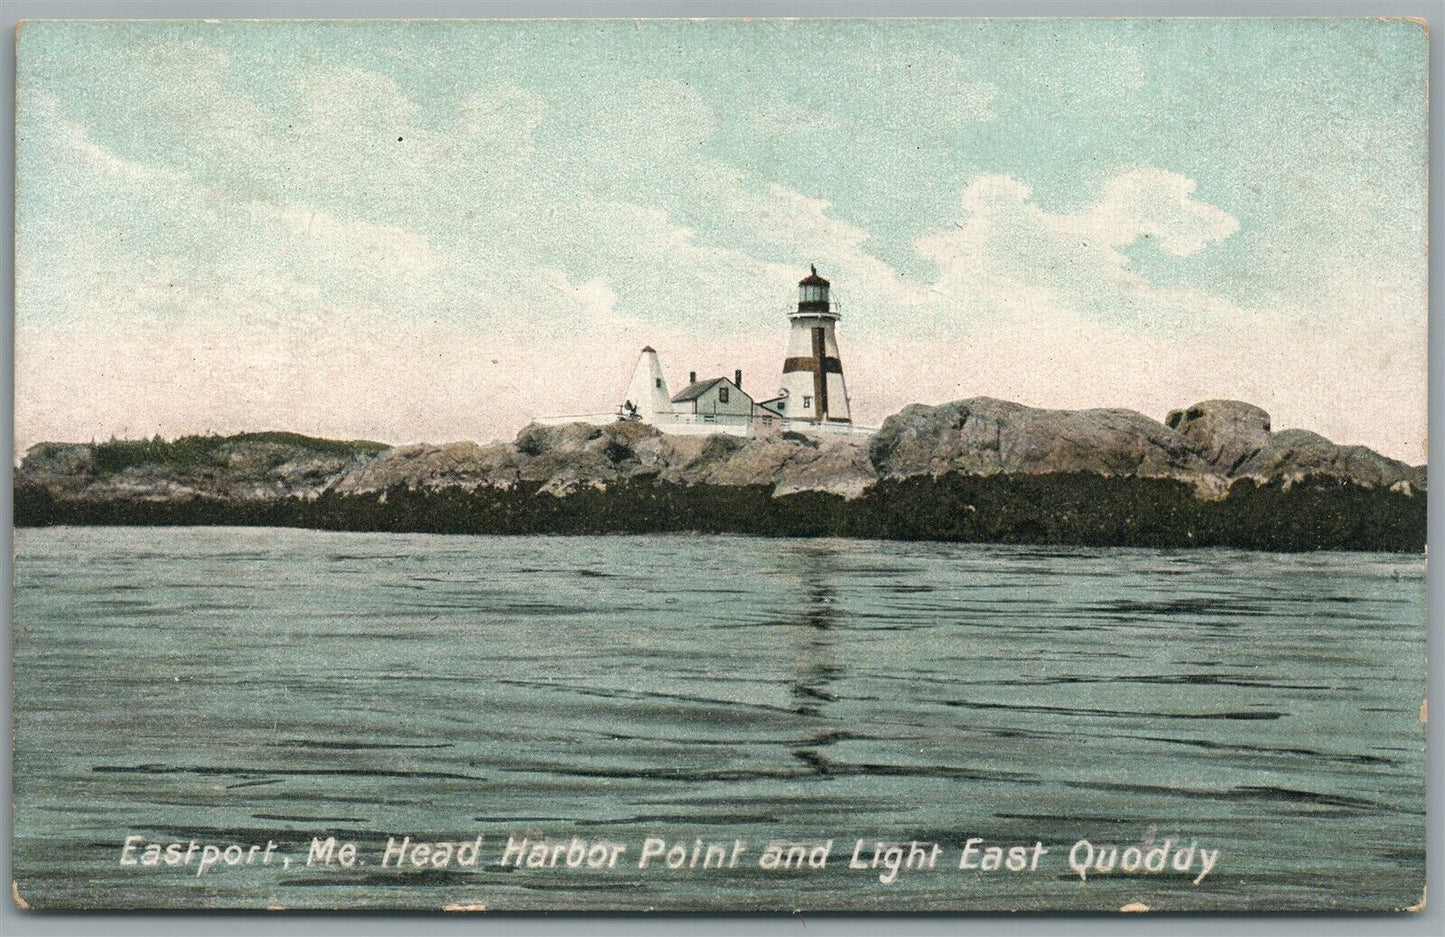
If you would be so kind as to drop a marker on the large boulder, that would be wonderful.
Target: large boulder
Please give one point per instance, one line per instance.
(839, 465)
(1293, 454)
(577, 455)
(566, 457)
(453, 465)
(984, 436)
(1236, 441)
(1224, 433)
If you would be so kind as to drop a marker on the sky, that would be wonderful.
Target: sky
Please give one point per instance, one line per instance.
(434, 231)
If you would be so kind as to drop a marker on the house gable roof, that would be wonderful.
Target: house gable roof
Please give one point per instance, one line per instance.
(694, 391)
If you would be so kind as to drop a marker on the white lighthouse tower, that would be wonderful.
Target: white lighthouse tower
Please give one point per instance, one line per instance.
(647, 397)
(813, 387)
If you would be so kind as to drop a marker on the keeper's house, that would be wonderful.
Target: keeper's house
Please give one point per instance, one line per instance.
(716, 397)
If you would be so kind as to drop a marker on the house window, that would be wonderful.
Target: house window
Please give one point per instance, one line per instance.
(782, 405)
(807, 402)
(657, 382)
(722, 395)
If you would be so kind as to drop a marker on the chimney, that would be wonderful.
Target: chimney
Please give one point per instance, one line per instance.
(692, 377)
(738, 378)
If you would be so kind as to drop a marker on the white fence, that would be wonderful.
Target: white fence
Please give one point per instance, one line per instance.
(596, 419)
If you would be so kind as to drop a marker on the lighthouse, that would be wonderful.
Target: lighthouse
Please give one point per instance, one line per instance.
(813, 387)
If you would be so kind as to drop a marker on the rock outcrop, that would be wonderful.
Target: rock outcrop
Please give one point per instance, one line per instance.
(971, 469)
(563, 459)
(246, 467)
(984, 436)
(1210, 444)
(1235, 441)
(1223, 432)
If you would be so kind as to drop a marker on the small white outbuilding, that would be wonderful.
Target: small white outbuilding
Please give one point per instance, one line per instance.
(647, 396)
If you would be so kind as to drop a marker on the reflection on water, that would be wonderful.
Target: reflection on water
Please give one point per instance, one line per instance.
(255, 685)
(814, 664)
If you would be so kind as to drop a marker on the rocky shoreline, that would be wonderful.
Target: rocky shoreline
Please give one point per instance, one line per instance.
(978, 470)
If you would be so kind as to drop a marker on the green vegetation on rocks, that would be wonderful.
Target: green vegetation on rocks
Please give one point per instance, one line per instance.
(198, 451)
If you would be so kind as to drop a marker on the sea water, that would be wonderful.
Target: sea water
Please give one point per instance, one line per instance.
(279, 689)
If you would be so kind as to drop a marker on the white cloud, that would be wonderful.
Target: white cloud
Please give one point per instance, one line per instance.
(1149, 202)
(353, 101)
(80, 145)
(73, 144)
(275, 354)
(801, 225)
(1007, 253)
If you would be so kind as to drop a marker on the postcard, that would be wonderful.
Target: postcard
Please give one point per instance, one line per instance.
(831, 465)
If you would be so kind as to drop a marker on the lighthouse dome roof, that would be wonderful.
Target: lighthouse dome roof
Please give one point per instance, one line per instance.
(812, 279)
